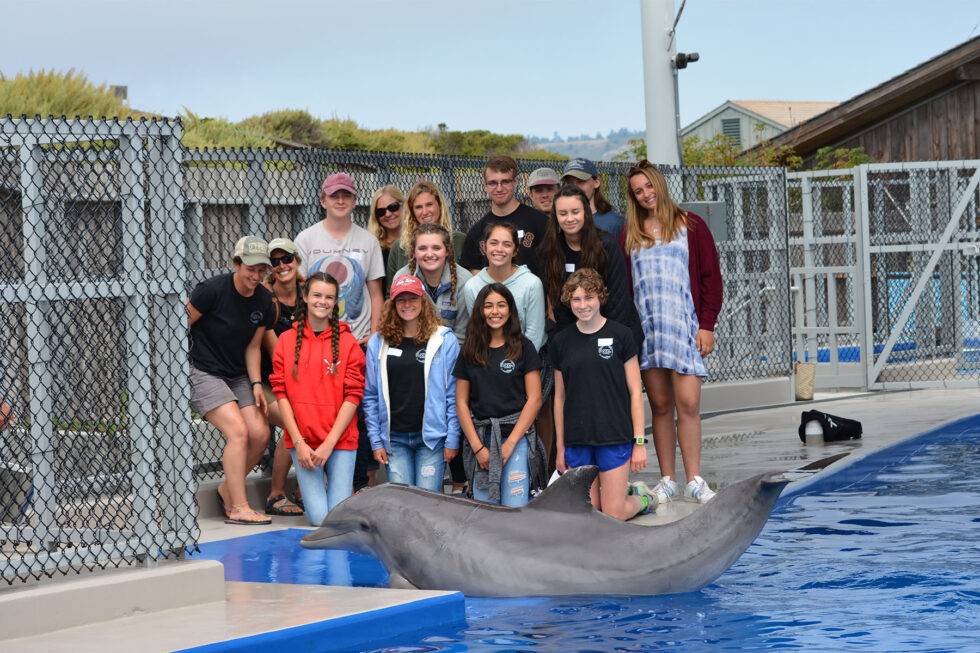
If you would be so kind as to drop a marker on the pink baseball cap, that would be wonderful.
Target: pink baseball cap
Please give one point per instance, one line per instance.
(338, 181)
(406, 283)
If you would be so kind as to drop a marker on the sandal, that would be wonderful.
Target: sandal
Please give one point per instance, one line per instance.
(280, 506)
(297, 499)
(242, 510)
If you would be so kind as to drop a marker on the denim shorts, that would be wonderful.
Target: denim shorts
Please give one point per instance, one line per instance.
(606, 457)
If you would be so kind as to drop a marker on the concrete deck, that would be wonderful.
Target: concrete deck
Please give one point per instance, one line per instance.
(736, 445)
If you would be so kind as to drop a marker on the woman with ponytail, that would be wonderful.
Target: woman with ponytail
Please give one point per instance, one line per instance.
(318, 379)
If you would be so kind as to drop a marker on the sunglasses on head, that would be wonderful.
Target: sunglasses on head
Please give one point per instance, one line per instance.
(379, 212)
(640, 165)
(285, 259)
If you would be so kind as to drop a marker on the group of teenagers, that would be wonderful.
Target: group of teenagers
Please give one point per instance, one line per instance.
(411, 345)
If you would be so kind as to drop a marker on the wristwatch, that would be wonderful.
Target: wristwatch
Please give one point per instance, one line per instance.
(640, 439)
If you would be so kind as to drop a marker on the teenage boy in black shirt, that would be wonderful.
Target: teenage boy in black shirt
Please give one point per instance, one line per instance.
(500, 180)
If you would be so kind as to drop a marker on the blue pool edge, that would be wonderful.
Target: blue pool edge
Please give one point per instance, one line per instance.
(354, 632)
(856, 465)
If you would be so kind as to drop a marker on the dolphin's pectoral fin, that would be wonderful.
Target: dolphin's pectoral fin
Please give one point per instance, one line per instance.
(570, 493)
(398, 582)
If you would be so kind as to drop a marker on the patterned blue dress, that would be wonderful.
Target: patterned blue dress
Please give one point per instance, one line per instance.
(662, 294)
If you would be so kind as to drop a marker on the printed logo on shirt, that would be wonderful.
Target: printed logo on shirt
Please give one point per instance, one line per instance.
(420, 355)
(507, 366)
(605, 347)
(527, 240)
(329, 368)
(255, 317)
(350, 274)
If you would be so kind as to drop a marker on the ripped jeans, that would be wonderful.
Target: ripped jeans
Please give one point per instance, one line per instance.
(413, 463)
(515, 482)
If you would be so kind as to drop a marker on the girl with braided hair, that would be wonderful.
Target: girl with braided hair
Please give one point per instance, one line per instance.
(318, 379)
(433, 262)
(410, 392)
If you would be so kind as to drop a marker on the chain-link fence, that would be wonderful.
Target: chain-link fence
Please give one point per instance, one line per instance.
(95, 452)
(108, 226)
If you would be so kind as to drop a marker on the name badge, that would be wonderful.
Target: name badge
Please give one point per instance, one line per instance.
(520, 234)
(603, 342)
(569, 267)
(394, 351)
(357, 256)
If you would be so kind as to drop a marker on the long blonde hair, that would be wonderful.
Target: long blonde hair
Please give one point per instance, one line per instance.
(671, 216)
(409, 219)
(375, 227)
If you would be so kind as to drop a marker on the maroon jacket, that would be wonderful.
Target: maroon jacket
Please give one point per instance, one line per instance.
(707, 289)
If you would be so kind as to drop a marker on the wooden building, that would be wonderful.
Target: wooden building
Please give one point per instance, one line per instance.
(928, 113)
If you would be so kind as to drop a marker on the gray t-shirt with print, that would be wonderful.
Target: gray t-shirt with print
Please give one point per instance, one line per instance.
(352, 260)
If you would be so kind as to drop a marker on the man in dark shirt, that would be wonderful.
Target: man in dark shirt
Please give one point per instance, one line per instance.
(500, 180)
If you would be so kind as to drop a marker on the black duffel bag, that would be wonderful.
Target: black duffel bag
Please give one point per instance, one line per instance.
(834, 428)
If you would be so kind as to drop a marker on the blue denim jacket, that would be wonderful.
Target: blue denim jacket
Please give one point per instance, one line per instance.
(439, 421)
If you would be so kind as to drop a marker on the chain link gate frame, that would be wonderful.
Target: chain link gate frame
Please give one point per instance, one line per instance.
(886, 274)
(96, 467)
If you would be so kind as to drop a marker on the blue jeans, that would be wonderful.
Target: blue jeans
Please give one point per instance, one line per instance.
(515, 482)
(413, 463)
(317, 498)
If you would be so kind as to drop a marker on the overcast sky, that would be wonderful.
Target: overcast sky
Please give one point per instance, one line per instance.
(510, 66)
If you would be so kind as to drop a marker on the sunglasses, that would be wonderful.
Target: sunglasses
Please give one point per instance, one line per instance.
(285, 259)
(640, 165)
(380, 211)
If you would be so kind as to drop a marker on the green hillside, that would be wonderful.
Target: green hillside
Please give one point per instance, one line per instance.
(71, 94)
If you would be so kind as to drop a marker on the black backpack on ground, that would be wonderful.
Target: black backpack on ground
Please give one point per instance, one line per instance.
(834, 428)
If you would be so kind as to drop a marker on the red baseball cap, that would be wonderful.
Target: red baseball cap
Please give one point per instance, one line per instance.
(338, 181)
(407, 283)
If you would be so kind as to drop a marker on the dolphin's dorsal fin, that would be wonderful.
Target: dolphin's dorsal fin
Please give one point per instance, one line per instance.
(570, 493)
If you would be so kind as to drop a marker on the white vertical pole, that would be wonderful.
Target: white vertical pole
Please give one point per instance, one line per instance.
(659, 47)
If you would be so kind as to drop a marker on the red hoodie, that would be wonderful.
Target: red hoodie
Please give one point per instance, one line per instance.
(317, 396)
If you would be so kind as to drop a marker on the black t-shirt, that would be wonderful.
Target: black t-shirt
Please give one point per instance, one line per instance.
(283, 323)
(531, 226)
(406, 385)
(497, 390)
(597, 401)
(227, 324)
(619, 306)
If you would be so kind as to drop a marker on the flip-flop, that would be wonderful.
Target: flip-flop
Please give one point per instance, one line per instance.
(262, 521)
(280, 511)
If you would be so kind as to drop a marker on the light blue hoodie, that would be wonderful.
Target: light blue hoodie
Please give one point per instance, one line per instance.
(439, 423)
(528, 294)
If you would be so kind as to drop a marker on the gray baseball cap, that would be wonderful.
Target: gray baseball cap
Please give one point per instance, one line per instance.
(543, 176)
(252, 250)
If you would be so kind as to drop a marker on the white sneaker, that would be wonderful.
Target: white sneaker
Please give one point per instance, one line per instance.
(698, 491)
(666, 490)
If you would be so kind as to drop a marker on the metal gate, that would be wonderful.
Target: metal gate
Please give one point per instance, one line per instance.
(884, 269)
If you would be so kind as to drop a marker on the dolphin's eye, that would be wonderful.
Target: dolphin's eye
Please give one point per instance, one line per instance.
(365, 526)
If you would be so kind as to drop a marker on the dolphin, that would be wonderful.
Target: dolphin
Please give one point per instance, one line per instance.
(557, 544)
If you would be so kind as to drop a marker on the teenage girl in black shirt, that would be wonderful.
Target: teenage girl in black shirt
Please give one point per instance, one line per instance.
(498, 395)
(598, 399)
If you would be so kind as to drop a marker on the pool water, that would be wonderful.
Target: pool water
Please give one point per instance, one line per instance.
(879, 555)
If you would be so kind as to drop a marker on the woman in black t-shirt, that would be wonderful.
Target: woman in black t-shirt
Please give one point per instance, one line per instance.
(228, 316)
(498, 395)
(286, 284)
(598, 399)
